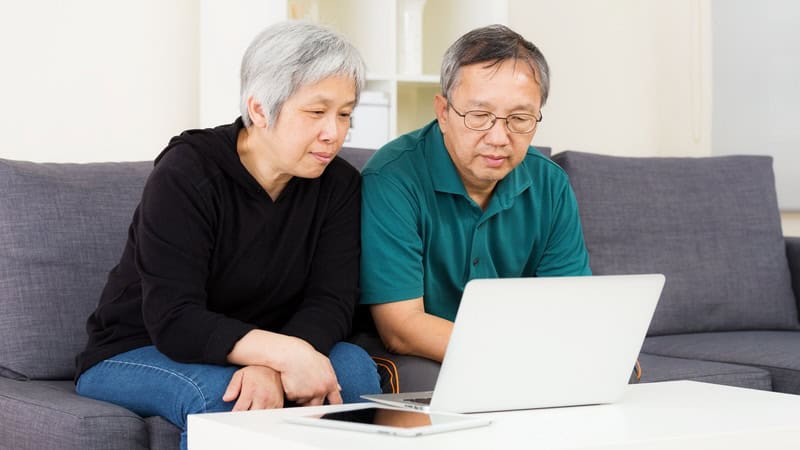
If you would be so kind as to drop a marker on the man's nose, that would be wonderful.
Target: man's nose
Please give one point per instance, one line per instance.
(497, 135)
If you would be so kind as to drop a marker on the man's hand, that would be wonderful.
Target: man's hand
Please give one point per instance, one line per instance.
(255, 387)
(308, 377)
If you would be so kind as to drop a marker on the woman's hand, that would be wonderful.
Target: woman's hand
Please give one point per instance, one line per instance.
(308, 377)
(255, 387)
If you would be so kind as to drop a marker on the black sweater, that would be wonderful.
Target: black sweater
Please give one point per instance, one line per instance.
(210, 257)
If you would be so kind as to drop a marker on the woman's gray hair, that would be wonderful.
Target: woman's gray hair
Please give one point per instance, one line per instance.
(288, 55)
(492, 44)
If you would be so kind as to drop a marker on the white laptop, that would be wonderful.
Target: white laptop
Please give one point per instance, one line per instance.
(523, 343)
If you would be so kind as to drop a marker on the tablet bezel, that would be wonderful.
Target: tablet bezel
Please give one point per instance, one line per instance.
(447, 422)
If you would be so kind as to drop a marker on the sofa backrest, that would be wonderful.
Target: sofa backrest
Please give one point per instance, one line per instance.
(357, 157)
(62, 228)
(711, 225)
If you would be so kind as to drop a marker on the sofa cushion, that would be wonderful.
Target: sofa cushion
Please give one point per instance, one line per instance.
(399, 373)
(163, 435)
(50, 415)
(357, 157)
(664, 368)
(62, 228)
(793, 255)
(778, 352)
(711, 225)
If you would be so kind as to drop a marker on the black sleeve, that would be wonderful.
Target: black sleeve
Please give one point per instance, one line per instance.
(174, 243)
(332, 289)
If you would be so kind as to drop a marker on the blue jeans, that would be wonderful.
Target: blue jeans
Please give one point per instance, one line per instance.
(148, 383)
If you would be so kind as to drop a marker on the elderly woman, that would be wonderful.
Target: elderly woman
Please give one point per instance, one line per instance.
(240, 275)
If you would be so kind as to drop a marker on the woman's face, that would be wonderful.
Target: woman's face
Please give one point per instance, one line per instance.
(311, 127)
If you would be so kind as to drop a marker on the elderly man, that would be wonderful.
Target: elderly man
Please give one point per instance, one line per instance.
(466, 196)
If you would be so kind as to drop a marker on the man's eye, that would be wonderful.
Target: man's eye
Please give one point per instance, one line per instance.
(345, 114)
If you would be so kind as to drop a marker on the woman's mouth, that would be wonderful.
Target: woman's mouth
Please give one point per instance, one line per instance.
(324, 158)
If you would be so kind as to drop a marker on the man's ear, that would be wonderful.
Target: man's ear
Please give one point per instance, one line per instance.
(440, 109)
(256, 113)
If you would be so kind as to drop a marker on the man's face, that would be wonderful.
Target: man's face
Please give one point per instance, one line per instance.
(482, 158)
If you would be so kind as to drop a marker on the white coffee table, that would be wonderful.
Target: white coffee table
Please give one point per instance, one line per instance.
(672, 415)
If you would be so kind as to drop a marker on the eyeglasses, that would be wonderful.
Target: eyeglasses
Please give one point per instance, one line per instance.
(484, 120)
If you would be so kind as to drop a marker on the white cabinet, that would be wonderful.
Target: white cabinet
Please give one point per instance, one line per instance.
(380, 30)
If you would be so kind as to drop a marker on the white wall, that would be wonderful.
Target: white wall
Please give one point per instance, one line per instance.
(110, 80)
(629, 77)
(757, 86)
(226, 29)
(95, 80)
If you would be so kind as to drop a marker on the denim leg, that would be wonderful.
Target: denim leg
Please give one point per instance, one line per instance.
(355, 370)
(150, 384)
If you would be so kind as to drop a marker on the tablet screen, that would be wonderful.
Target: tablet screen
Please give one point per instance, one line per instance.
(386, 420)
(382, 416)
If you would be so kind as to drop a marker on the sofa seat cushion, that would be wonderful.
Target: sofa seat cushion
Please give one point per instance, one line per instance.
(775, 351)
(50, 415)
(62, 229)
(399, 373)
(163, 434)
(665, 368)
(710, 225)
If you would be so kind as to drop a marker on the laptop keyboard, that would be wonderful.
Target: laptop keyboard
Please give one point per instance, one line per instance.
(421, 401)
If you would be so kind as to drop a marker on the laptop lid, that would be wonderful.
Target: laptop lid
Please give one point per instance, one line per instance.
(521, 343)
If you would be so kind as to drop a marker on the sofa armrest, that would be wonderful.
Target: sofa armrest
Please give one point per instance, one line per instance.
(793, 255)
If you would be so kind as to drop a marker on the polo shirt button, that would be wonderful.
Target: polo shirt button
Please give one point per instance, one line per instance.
(476, 261)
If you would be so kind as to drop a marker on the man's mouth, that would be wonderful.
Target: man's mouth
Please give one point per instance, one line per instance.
(494, 161)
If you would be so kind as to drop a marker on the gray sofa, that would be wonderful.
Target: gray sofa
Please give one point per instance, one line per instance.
(729, 310)
(728, 314)
(62, 228)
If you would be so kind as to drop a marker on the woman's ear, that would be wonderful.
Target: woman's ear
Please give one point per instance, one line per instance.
(256, 113)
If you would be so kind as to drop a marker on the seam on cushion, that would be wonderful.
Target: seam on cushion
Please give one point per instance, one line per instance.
(7, 373)
(169, 372)
(60, 411)
(743, 375)
(758, 366)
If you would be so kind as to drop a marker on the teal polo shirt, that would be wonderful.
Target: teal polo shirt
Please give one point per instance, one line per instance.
(423, 236)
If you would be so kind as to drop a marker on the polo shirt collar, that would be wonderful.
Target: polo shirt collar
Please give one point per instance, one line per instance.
(446, 178)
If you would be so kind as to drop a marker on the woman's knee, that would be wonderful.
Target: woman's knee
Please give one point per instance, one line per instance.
(157, 386)
(355, 370)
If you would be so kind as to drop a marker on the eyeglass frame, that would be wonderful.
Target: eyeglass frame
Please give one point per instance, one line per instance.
(495, 119)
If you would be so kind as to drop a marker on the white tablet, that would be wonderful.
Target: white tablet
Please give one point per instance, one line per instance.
(392, 421)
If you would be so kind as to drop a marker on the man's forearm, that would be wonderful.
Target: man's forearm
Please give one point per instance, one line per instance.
(429, 336)
(406, 328)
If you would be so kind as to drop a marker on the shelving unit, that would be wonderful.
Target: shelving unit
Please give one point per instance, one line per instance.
(375, 28)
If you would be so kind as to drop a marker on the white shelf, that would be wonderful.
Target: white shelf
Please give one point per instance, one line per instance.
(374, 28)
(418, 79)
